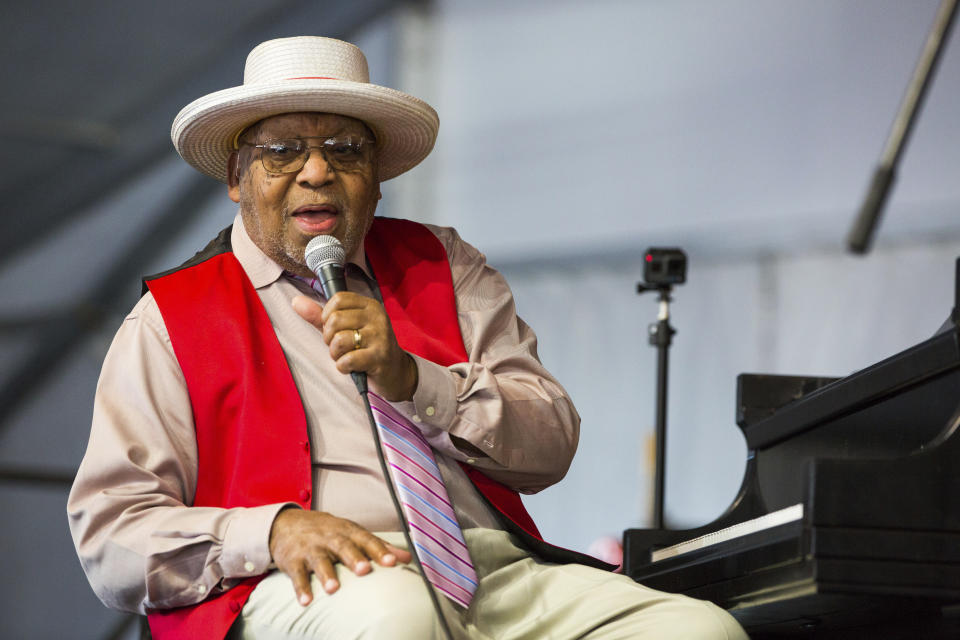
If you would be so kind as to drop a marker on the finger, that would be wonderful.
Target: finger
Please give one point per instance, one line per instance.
(372, 546)
(382, 552)
(309, 310)
(351, 556)
(345, 342)
(301, 582)
(343, 301)
(326, 573)
(347, 319)
(400, 554)
(356, 360)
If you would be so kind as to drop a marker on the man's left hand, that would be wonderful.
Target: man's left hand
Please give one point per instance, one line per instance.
(391, 371)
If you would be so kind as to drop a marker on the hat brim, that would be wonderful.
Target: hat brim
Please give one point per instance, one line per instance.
(405, 127)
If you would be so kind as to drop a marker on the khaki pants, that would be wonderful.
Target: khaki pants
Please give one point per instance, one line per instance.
(519, 597)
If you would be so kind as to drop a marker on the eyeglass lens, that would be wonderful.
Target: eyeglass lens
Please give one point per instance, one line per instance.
(345, 153)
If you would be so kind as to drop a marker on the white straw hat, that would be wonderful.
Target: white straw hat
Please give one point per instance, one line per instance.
(305, 74)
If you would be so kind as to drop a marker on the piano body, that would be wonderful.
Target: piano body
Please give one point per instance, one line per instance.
(847, 523)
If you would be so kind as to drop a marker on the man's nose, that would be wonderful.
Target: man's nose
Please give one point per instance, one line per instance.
(316, 170)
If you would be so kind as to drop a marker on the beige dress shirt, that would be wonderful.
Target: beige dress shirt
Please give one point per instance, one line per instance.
(141, 543)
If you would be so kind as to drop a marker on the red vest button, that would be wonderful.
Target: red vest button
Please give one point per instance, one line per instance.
(234, 606)
(306, 445)
(304, 495)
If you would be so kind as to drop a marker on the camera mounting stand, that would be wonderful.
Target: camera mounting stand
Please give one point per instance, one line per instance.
(663, 268)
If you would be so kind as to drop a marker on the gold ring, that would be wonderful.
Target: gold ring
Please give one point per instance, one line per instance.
(357, 339)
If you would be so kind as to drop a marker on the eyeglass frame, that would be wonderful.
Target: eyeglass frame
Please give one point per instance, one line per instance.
(364, 141)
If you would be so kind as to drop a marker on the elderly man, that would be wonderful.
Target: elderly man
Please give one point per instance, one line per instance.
(231, 485)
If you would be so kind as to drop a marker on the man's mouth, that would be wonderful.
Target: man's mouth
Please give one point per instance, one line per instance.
(316, 219)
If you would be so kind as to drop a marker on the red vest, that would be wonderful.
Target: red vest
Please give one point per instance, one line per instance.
(239, 383)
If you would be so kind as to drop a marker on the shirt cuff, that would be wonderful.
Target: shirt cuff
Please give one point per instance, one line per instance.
(246, 543)
(435, 400)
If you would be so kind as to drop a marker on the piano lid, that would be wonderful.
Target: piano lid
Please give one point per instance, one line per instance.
(930, 358)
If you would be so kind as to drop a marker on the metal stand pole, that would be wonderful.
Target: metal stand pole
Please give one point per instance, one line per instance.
(663, 268)
(955, 314)
(661, 336)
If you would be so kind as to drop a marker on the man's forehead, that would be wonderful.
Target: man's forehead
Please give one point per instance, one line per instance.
(309, 124)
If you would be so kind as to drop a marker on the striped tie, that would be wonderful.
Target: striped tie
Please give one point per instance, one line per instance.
(433, 524)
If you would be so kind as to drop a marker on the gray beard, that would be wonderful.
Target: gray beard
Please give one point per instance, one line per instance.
(276, 248)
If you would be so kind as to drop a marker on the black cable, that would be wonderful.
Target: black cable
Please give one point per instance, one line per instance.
(361, 381)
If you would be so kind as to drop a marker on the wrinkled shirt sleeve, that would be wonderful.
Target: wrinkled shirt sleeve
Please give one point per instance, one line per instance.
(139, 542)
(500, 411)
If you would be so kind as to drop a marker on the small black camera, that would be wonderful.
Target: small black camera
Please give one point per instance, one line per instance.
(664, 266)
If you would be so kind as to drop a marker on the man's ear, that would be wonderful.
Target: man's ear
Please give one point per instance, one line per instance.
(233, 176)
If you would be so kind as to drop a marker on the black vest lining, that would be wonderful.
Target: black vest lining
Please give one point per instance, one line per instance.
(220, 244)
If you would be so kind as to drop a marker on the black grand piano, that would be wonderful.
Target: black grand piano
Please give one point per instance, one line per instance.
(847, 524)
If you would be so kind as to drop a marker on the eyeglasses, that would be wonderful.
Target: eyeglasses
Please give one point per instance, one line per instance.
(289, 155)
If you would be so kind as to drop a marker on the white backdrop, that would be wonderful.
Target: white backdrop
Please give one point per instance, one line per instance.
(819, 314)
(574, 135)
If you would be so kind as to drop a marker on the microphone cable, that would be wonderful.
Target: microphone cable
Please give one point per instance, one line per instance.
(325, 257)
(360, 380)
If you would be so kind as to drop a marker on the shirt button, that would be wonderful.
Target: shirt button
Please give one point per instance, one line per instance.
(430, 411)
(304, 495)
(248, 566)
(201, 588)
(415, 418)
(471, 460)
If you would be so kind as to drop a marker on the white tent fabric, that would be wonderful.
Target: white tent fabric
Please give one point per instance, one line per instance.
(573, 136)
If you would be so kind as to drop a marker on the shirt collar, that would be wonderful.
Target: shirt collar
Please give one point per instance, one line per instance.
(261, 269)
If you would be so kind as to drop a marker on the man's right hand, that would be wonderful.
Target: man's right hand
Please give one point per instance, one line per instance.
(304, 542)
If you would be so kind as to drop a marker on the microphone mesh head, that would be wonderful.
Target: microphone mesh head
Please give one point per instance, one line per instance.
(324, 250)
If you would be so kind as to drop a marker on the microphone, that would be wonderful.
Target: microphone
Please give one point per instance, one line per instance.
(325, 257)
